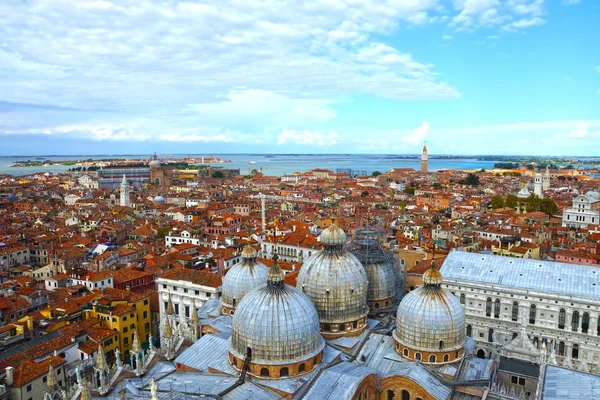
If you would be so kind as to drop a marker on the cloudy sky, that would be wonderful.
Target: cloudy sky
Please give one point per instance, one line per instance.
(312, 76)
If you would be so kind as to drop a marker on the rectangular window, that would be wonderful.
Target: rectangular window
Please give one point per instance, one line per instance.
(522, 381)
(187, 311)
(177, 309)
(29, 388)
(514, 380)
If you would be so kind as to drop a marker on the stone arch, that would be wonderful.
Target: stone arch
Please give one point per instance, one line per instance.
(264, 372)
(284, 372)
(481, 353)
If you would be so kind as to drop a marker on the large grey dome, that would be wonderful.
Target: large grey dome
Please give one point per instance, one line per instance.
(336, 283)
(383, 278)
(241, 279)
(431, 320)
(154, 163)
(278, 323)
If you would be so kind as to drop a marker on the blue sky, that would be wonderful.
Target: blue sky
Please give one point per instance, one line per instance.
(313, 76)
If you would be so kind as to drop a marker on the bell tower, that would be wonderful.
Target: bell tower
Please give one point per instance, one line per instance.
(424, 159)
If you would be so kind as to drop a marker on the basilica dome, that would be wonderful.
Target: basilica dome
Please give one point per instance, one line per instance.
(336, 283)
(383, 278)
(593, 194)
(430, 324)
(159, 200)
(154, 163)
(241, 279)
(277, 326)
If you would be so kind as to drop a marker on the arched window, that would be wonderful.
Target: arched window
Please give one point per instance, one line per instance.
(301, 368)
(561, 349)
(515, 311)
(585, 322)
(441, 344)
(390, 395)
(264, 372)
(342, 327)
(575, 352)
(405, 395)
(233, 302)
(532, 314)
(418, 356)
(497, 308)
(469, 330)
(432, 358)
(575, 321)
(284, 371)
(481, 353)
(327, 328)
(462, 298)
(491, 336)
(488, 307)
(445, 357)
(561, 318)
(536, 342)
(405, 352)
(234, 362)
(376, 305)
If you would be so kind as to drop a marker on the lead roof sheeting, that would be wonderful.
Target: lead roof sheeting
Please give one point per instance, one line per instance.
(560, 384)
(211, 308)
(417, 373)
(536, 275)
(375, 351)
(205, 352)
(338, 382)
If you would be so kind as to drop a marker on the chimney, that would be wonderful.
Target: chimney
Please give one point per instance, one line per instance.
(9, 375)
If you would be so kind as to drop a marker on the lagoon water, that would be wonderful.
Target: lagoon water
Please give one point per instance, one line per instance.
(273, 164)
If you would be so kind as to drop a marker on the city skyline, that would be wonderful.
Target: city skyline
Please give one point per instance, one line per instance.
(514, 77)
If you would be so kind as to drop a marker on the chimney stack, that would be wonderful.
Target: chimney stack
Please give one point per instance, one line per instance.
(9, 375)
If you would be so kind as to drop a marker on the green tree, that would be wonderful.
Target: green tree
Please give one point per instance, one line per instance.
(218, 174)
(530, 167)
(365, 193)
(472, 180)
(548, 206)
(437, 186)
(533, 203)
(162, 232)
(409, 190)
(511, 201)
(497, 202)
(561, 178)
(376, 173)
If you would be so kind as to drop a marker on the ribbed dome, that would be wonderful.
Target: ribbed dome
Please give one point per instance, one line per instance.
(335, 281)
(333, 236)
(159, 200)
(154, 163)
(383, 278)
(242, 278)
(430, 319)
(278, 322)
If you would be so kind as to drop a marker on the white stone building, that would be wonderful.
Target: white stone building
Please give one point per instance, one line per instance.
(125, 201)
(556, 304)
(175, 237)
(585, 211)
(186, 287)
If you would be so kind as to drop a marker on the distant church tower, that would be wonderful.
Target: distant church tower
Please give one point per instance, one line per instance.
(125, 193)
(424, 159)
(546, 181)
(537, 184)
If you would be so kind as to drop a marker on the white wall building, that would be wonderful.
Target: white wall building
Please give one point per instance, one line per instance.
(559, 304)
(185, 291)
(175, 237)
(125, 201)
(71, 199)
(585, 211)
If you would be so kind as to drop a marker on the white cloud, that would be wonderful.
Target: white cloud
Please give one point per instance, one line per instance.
(570, 2)
(307, 137)
(176, 137)
(160, 56)
(524, 23)
(447, 37)
(417, 135)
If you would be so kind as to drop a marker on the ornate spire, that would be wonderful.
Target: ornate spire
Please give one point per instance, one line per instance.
(170, 310)
(137, 346)
(167, 332)
(249, 253)
(101, 359)
(51, 383)
(275, 276)
(85, 391)
(194, 315)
